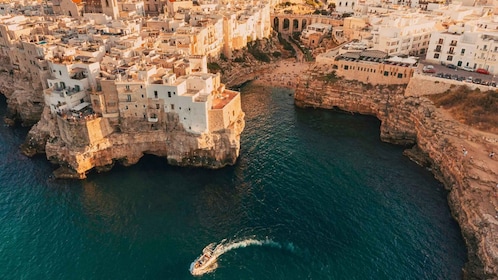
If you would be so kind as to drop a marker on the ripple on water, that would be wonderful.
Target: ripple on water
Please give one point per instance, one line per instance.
(352, 206)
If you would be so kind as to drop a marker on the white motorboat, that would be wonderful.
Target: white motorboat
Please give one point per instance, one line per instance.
(205, 262)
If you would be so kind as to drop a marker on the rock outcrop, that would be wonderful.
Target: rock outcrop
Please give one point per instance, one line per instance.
(24, 102)
(409, 118)
(211, 150)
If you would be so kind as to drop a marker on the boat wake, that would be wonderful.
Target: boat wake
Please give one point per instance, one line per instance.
(216, 250)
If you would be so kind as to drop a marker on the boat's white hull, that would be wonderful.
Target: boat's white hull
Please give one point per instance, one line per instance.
(204, 268)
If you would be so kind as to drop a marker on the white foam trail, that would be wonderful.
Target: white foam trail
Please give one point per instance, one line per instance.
(224, 247)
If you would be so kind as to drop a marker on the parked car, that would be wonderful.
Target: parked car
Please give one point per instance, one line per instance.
(476, 81)
(451, 66)
(439, 75)
(447, 76)
(482, 71)
(467, 68)
(469, 79)
(429, 69)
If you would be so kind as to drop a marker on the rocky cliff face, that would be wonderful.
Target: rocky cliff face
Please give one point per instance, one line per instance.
(24, 102)
(411, 119)
(211, 150)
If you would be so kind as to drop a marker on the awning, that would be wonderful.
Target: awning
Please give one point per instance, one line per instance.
(80, 106)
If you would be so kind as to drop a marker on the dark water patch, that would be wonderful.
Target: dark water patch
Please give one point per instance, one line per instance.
(352, 206)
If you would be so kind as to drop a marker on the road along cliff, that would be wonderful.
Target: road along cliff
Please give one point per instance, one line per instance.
(457, 154)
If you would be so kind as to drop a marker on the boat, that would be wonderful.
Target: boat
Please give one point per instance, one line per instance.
(205, 261)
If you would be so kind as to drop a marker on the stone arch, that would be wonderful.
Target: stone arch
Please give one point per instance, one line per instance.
(276, 22)
(295, 24)
(286, 24)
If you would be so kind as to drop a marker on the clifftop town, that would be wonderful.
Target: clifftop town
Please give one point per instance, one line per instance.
(107, 81)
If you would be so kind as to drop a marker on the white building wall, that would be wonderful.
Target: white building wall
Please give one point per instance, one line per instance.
(193, 115)
(486, 55)
(457, 49)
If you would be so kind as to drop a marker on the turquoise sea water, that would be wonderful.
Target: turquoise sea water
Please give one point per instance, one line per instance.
(329, 200)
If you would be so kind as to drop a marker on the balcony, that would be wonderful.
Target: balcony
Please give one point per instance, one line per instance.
(437, 50)
(453, 44)
(451, 52)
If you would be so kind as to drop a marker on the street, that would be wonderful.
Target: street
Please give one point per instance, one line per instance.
(462, 74)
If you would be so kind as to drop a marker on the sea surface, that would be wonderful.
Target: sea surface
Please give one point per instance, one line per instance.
(314, 195)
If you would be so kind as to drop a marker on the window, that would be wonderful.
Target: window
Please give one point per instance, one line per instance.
(172, 106)
(128, 97)
(169, 94)
(400, 75)
(386, 73)
(449, 58)
(436, 55)
(462, 52)
(127, 87)
(155, 94)
(157, 106)
(142, 96)
(440, 41)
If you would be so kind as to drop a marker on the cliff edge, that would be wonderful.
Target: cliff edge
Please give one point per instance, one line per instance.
(457, 154)
(82, 145)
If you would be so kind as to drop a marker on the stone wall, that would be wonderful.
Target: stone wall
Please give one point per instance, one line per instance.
(407, 119)
(373, 73)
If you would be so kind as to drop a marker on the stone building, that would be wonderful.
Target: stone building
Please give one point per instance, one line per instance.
(373, 67)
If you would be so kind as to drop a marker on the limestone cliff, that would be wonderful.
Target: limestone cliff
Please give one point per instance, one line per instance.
(24, 102)
(76, 158)
(408, 117)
